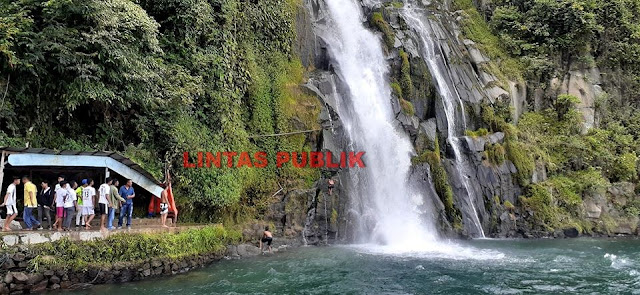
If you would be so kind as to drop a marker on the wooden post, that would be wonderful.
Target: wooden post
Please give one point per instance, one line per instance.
(2, 169)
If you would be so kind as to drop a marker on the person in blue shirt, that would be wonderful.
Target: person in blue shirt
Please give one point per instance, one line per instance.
(127, 193)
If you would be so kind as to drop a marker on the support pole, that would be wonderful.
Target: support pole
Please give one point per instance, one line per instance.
(2, 169)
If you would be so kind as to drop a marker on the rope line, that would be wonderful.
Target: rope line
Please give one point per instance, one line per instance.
(288, 133)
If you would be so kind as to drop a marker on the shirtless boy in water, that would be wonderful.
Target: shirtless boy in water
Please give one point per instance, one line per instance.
(267, 238)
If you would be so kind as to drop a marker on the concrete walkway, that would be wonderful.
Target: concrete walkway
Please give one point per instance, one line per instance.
(139, 225)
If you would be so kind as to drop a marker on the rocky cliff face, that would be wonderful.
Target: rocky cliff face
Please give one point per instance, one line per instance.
(321, 218)
(315, 216)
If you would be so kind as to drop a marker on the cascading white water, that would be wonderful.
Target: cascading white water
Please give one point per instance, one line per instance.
(388, 207)
(450, 98)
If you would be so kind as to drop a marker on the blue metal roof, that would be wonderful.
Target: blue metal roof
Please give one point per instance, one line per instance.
(67, 158)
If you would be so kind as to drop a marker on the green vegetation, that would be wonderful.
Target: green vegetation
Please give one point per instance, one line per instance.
(541, 40)
(440, 179)
(154, 79)
(475, 28)
(578, 164)
(397, 90)
(407, 107)
(517, 153)
(496, 154)
(405, 75)
(334, 217)
(557, 201)
(377, 20)
(478, 133)
(67, 254)
(509, 206)
(547, 35)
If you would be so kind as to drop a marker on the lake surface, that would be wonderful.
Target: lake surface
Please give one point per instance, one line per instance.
(586, 266)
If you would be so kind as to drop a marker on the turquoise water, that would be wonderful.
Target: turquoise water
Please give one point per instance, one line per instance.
(476, 267)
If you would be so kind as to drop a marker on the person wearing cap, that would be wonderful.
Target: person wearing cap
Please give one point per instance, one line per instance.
(79, 219)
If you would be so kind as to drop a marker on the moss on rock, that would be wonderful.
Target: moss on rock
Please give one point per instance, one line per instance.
(407, 107)
(517, 154)
(405, 75)
(377, 20)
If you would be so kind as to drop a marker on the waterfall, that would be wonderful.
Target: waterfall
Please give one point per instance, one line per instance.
(386, 205)
(451, 101)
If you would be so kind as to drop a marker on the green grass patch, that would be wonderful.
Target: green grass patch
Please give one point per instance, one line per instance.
(478, 133)
(518, 155)
(67, 254)
(496, 154)
(397, 90)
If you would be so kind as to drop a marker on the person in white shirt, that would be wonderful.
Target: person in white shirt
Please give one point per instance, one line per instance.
(62, 193)
(88, 197)
(10, 202)
(104, 202)
(60, 180)
(70, 204)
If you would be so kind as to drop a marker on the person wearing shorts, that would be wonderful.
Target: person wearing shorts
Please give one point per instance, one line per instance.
(164, 207)
(70, 205)
(266, 239)
(103, 202)
(88, 197)
(10, 203)
(61, 194)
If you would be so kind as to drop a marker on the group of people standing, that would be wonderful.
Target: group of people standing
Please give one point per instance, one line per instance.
(69, 200)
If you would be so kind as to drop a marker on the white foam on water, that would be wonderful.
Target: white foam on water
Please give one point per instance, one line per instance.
(563, 259)
(618, 262)
(434, 250)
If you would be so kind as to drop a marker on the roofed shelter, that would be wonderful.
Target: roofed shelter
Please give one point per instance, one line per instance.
(100, 163)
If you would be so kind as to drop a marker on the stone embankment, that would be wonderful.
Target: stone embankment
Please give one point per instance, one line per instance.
(20, 276)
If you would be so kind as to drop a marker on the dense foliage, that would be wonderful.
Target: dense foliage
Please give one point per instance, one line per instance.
(154, 79)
